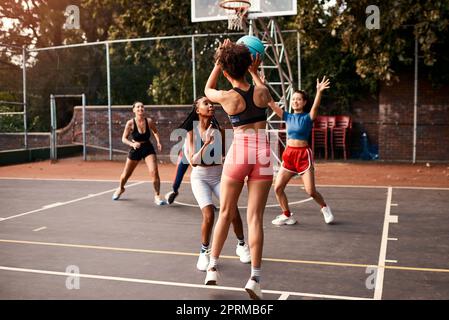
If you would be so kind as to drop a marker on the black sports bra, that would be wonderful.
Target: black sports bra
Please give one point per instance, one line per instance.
(251, 114)
(141, 137)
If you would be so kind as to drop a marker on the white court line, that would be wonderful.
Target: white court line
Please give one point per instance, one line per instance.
(186, 181)
(283, 296)
(392, 239)
(383, 249)
(394, 219)
(391, 261)
(39, 229)
(266, 206)
(58, 204)
(175, 284)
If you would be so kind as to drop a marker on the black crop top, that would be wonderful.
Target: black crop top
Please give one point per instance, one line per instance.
(251, 114)
(141, 137)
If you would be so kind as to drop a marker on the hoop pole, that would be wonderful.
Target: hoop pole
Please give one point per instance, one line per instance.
(24, 83)
(108, 74)
(298, 50)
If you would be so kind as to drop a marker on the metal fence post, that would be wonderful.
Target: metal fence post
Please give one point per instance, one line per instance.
(108, 74)
(193, 68)
(84, 126)
(24, 83)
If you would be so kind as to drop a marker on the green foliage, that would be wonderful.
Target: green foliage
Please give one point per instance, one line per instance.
(335, 42)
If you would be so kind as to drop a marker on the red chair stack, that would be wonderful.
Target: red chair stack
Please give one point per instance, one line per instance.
(319, 134)
(340, 135)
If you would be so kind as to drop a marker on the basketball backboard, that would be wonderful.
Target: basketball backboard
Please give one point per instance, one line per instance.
(209, 10)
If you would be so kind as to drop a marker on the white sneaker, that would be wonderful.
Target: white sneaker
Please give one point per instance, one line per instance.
(243, 253)
(117, 194)
(253, 289)
(211, 277)
(158, 201)
(283, 219)
(327, 213)
(203, 261)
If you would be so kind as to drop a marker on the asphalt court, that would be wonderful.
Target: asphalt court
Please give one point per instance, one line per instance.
(133, 249)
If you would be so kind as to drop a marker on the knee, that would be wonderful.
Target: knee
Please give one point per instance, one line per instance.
(311, 192)
(208, 219)
(279, 189)
(227, 214)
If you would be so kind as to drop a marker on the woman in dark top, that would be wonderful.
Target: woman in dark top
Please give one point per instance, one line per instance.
(140, 128)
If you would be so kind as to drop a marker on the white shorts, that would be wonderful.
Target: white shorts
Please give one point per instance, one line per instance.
(204, 182)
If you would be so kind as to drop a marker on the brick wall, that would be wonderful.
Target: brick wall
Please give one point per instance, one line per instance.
(13, 141)
(167, 119)
(396, 121)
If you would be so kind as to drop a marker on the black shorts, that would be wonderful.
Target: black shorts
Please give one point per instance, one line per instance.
(144, 151)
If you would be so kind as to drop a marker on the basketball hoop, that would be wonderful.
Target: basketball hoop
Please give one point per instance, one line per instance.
(236, 12)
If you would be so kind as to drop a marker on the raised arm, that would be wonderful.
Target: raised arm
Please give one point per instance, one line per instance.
(210, 90)
(195, 158)
(253, 71)
(320, 87)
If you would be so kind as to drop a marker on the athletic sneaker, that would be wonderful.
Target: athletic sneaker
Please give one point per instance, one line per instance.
(211, 278)
(171, 196)
(283, 219)
(117, 194)
(203, 260)
(253, 289)
(327, 213)
(159, 201)
(243, 253)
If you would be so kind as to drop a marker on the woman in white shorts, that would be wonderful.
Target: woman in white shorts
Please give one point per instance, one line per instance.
(205, 144)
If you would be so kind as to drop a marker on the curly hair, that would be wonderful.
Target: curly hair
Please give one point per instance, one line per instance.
(234, 59)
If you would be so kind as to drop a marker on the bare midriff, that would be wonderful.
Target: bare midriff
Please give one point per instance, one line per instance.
(297, 143)
(251, 127)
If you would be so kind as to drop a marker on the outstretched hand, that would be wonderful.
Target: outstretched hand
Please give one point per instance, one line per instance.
(323, 85)
(255, 64)
(225, 43)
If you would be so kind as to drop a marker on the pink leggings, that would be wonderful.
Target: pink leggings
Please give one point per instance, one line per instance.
(249, 156)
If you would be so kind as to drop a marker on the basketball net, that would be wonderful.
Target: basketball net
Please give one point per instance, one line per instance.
(236, 12)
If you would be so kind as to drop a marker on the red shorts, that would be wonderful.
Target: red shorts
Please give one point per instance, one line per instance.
(297, 159)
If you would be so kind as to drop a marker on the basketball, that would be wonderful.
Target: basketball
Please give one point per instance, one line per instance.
(254, 45)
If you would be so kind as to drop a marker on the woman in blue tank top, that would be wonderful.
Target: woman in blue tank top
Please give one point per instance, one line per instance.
(298, 157)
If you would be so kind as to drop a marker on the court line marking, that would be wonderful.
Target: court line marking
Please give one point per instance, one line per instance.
(392, 239)
(291, 184)
(391, 261)
(312, 262)
(383, 249)
(283, 296)
(58, 204)
(175, 284)
(266, 206)
(39, 229)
